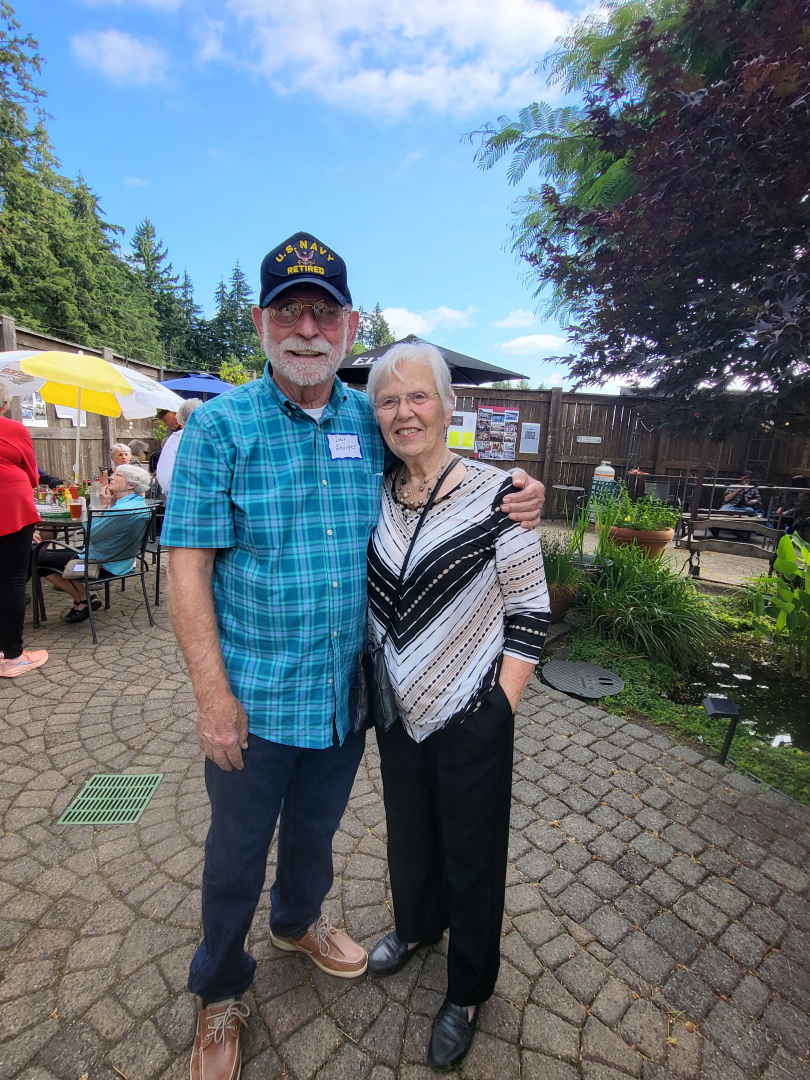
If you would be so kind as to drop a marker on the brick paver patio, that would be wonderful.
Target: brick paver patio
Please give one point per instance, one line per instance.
(657, 925)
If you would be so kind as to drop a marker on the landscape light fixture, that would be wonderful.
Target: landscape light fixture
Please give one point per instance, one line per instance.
(723, 706)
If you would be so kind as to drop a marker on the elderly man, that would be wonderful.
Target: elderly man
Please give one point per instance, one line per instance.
(275, 493)
(168, 455)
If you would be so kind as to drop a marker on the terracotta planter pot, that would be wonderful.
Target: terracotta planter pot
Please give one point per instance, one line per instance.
(651, 543)
(561, 597)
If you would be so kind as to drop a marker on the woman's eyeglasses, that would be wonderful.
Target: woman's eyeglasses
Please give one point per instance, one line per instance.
(418, 398)
(328, 314)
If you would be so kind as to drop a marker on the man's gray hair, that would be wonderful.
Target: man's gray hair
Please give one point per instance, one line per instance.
(422, 353)
(120, 446)
(138, 446)
(5, 392)
(185, 410)
(135, 476)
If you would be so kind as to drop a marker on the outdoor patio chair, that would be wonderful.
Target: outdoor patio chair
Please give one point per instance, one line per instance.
(133, 547)
(599, 489)
(153, 547)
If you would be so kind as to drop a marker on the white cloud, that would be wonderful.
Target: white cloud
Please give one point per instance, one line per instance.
(135, 181)
(412, 157)
(458, 56)
(161, 5)
(516, 318)
(546, 344)
(403, 322)
(120, 57)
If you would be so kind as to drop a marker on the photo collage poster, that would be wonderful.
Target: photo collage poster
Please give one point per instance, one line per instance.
(496, 433)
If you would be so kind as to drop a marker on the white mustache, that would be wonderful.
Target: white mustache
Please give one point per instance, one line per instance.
(314, 347)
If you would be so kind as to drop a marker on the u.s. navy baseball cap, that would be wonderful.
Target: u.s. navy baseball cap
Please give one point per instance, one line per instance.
(303, 258)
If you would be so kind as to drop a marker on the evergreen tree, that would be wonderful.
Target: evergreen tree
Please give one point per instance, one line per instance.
(379, 332)
(243, 340)
(373, 331)
(150, 260)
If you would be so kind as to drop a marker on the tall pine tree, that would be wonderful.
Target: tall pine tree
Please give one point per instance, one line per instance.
(59, 266)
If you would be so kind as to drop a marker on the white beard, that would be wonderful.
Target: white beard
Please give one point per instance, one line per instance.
(311, 372)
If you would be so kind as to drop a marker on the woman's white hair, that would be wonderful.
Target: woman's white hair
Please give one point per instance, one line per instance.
(5, 392)
(185, 410)
(120, 446)
(389, 365)
(135, 476)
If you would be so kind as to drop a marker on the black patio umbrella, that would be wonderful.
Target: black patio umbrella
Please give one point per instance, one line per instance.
(466, 370)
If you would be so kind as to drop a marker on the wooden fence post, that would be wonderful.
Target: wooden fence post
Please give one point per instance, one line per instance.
(9, 343)
(552, 446)
(108, 438)
(9, 334)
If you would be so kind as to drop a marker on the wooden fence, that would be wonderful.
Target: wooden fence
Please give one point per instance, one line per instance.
(577, 432)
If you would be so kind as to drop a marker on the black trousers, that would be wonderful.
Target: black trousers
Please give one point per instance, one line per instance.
(447, 802)
(15, 556)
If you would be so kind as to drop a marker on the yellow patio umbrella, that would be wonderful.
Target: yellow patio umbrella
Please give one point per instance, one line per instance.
(78, 382)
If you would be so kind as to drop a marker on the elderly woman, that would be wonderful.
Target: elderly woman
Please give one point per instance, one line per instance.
(120, 454)
(139, 451)
(467, 626)
(108, 536)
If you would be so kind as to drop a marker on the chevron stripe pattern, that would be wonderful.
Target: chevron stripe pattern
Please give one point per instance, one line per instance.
(474, 589)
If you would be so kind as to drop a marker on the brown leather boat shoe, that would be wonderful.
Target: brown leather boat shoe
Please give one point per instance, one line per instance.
(329, 949)
(216, 1054)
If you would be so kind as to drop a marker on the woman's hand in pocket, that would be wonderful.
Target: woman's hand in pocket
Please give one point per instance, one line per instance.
(513, 678)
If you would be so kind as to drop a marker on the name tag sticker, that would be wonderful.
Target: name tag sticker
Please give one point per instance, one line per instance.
(344, 446)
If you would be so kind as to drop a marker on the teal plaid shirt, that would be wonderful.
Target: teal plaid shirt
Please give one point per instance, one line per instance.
(289, 506)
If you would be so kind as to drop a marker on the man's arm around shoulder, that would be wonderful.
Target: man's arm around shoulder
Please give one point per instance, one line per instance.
(221, 721)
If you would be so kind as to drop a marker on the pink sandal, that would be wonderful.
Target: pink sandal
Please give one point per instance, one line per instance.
(26, 661)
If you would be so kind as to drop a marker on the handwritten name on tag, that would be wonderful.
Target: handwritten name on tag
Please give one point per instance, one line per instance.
(344, 446)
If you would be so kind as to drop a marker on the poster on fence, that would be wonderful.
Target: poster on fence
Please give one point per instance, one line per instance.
(496, 433)
(33, 412)
(530, 438)
(461, 432)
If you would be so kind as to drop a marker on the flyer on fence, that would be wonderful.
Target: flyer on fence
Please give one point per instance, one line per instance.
(496, 433)
(461, 432)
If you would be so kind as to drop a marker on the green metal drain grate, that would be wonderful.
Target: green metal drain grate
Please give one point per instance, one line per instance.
(111, 800)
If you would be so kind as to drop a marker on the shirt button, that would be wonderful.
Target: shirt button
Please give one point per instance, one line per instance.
(328, 532)
(323, 482)
(334, 584)
(331, 681)
(335, 633)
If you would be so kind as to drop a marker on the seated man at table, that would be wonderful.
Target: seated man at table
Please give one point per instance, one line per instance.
(743, 498)
(109, 535)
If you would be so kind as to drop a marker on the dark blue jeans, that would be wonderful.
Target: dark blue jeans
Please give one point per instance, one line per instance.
(309, 789)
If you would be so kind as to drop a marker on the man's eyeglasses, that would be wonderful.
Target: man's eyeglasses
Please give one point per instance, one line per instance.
(418, 398)
(328, 314)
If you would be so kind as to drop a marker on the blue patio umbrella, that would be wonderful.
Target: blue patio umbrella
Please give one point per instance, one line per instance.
(197, 384)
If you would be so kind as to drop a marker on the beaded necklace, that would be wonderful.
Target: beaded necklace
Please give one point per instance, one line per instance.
(414, 500)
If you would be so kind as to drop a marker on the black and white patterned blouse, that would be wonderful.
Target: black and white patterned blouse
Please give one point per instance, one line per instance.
(474, 589)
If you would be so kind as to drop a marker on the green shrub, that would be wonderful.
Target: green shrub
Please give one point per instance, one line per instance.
(781, 604)
(646, 604)
(647, 514)
(558, 560)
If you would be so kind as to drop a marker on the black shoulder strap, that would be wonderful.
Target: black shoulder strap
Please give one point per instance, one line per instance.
(419, 523)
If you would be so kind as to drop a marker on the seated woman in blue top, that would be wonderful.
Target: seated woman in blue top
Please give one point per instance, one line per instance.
(109, 536)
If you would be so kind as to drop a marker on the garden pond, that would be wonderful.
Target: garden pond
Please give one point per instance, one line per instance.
(774, 706)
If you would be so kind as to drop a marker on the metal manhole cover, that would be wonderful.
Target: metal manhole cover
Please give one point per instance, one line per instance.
(582, 679)
(111, 800)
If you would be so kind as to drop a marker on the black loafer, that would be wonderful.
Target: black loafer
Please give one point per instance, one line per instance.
(451, 1036)
(391, 955)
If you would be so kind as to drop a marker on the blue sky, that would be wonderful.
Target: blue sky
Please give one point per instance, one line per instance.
(234, 123)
